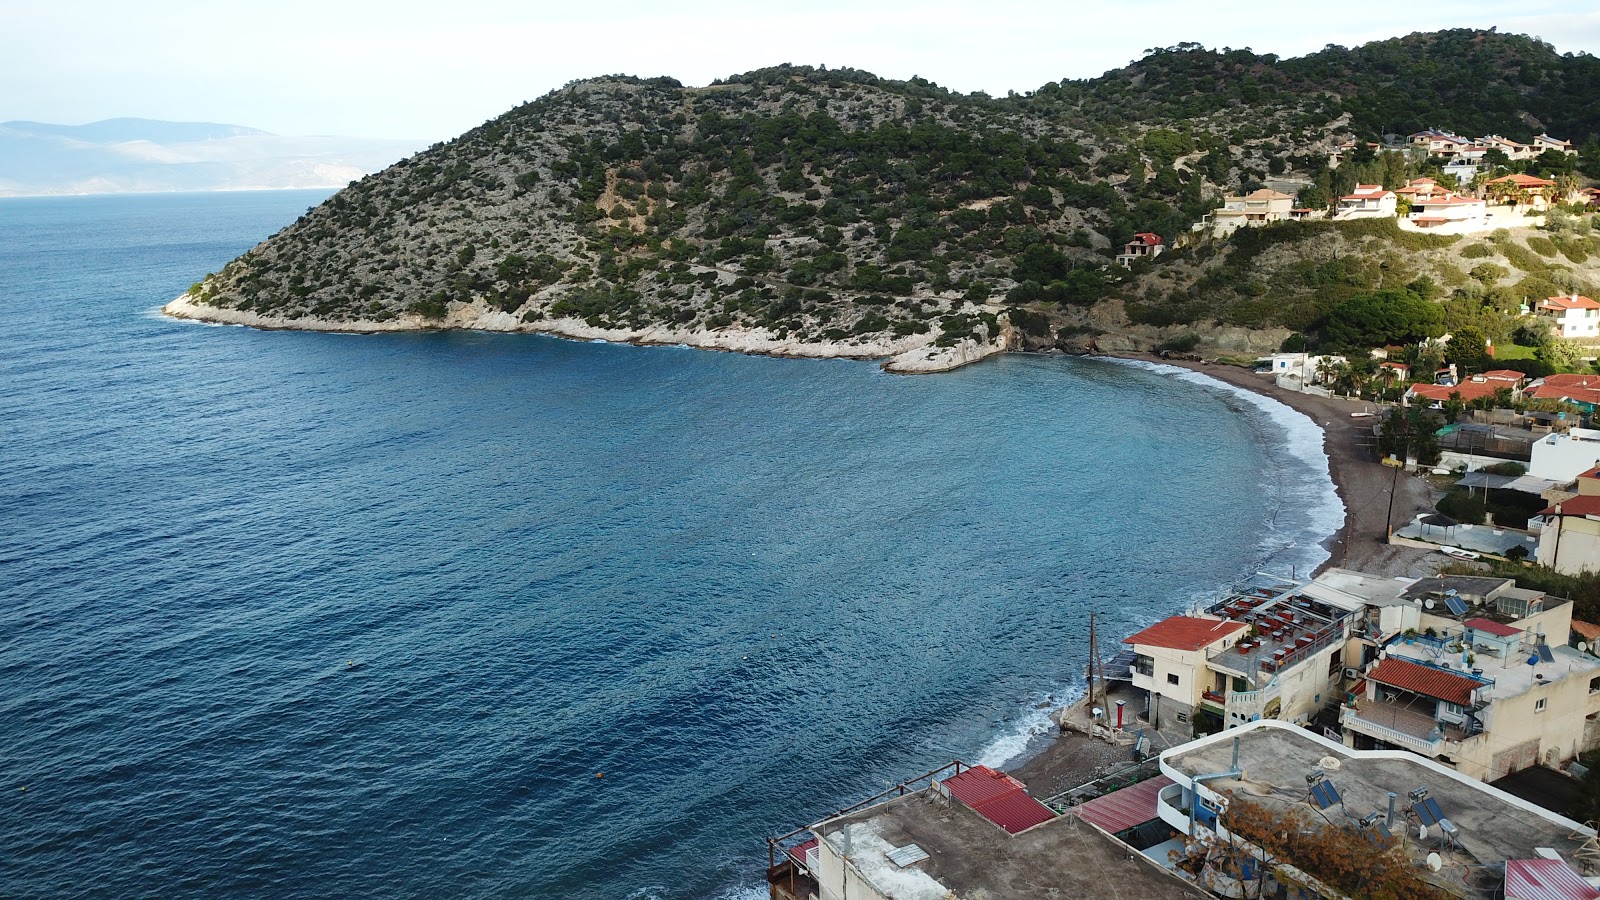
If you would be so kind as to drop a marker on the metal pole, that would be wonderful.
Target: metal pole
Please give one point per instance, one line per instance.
(1388, 518)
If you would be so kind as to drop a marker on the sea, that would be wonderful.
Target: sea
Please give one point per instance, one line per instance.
(467, 614)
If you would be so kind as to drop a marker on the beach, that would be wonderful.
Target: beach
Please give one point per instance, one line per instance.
(1364, 486)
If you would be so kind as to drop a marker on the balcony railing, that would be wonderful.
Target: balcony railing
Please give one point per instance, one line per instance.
(1426, 746)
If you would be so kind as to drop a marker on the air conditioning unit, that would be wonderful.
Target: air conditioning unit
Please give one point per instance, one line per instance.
(1352, 673)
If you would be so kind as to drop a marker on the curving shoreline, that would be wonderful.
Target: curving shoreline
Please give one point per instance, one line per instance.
(1361, 482)
(912, 355)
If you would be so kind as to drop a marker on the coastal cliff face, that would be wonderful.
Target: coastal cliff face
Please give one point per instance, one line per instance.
(810, 212)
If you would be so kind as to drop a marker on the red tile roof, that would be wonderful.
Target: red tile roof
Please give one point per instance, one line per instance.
(1145, 237)
(1469, 390)
(1185, 633)
(1581, 505)
(1121, 810)
(1587, 630)
(1492, 627)
(1425, 680)
(1576, 301)
(1582, 388)
(1545, 879)
(1522, 181)
(999, 798)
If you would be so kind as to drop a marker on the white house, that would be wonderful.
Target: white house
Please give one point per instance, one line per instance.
(1370, 201)
(1256, 208)
(1573, 317)
(1545, 142)
(1563, 457)
(1434, 142)
(1450, 212)
(1144, 245)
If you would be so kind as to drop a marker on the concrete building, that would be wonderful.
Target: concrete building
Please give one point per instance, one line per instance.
(1449, 214)
(1573, 317)
(1434, 142)
(1368, 201)
(1562, 457)
(1545, 142)
(1481, 678)
(1144, 245)
(1256, 208)
(1269, 650)
(1569, 530)
(1461, 836)
(975, 834)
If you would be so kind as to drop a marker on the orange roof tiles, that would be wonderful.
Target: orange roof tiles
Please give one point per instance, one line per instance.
(1523, 181)
(999, 798)
(1576, 301)
(1469, 390)
(1586, 630)
(1185, 633)
(1581, 505)
(1425, 680)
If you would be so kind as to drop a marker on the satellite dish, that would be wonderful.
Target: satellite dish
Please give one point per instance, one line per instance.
(1435, 862)
(1428, 604)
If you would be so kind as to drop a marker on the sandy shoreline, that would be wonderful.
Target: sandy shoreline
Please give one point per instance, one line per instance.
(1362, 483)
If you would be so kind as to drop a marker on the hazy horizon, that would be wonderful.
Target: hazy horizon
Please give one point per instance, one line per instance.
(406, 70)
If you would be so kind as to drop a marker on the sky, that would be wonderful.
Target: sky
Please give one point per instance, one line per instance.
(421, 69)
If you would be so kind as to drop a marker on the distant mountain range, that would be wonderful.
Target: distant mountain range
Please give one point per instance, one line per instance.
(117, 156)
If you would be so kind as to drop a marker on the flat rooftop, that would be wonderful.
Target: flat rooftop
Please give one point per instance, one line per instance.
(1275, 759)
(1345, 586)
(1511, 673)
(968, 856)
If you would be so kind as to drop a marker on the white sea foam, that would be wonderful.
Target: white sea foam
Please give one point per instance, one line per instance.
(1031, 720)
(1297, 546)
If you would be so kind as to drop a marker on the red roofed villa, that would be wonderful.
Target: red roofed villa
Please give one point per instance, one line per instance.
(1369, 201)
(1523, 190)
(1145, 245)
(1574, 317)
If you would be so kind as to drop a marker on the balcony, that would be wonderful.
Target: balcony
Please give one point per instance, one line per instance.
(1404, 727)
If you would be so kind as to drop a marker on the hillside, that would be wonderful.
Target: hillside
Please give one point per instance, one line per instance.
(832, 212)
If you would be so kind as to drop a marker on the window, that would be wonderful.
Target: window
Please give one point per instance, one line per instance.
(1172, 678)
(1538, 705)
(1594, 685)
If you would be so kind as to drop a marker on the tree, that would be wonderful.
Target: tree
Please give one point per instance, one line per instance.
(1560, 354)
(1340, 856)
(1386, 317)
(1467, 348)
(1410, 433)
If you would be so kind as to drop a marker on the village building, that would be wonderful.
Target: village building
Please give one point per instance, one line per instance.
(1569, 531)
(1434, 142)
(974, 833)
(1563, 456)
(1144, 245)
(1573, 318)
(1465, 167)
(1475, 387)
(1582, 391)
(1474, 679)
(1256, 208)
(1369, 201)
(1449, 212)
(1545, 142)
(1464, 837)
(1513, 150)
(1296, 371)
(1419, 189)
(1270, 650)
(1523, 190)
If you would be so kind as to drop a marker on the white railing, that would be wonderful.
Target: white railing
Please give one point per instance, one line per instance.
(1427, 747)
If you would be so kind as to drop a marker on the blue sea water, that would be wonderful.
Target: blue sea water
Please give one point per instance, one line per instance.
(293, 614)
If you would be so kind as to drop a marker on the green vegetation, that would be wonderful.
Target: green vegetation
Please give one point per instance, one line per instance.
(830, 204)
